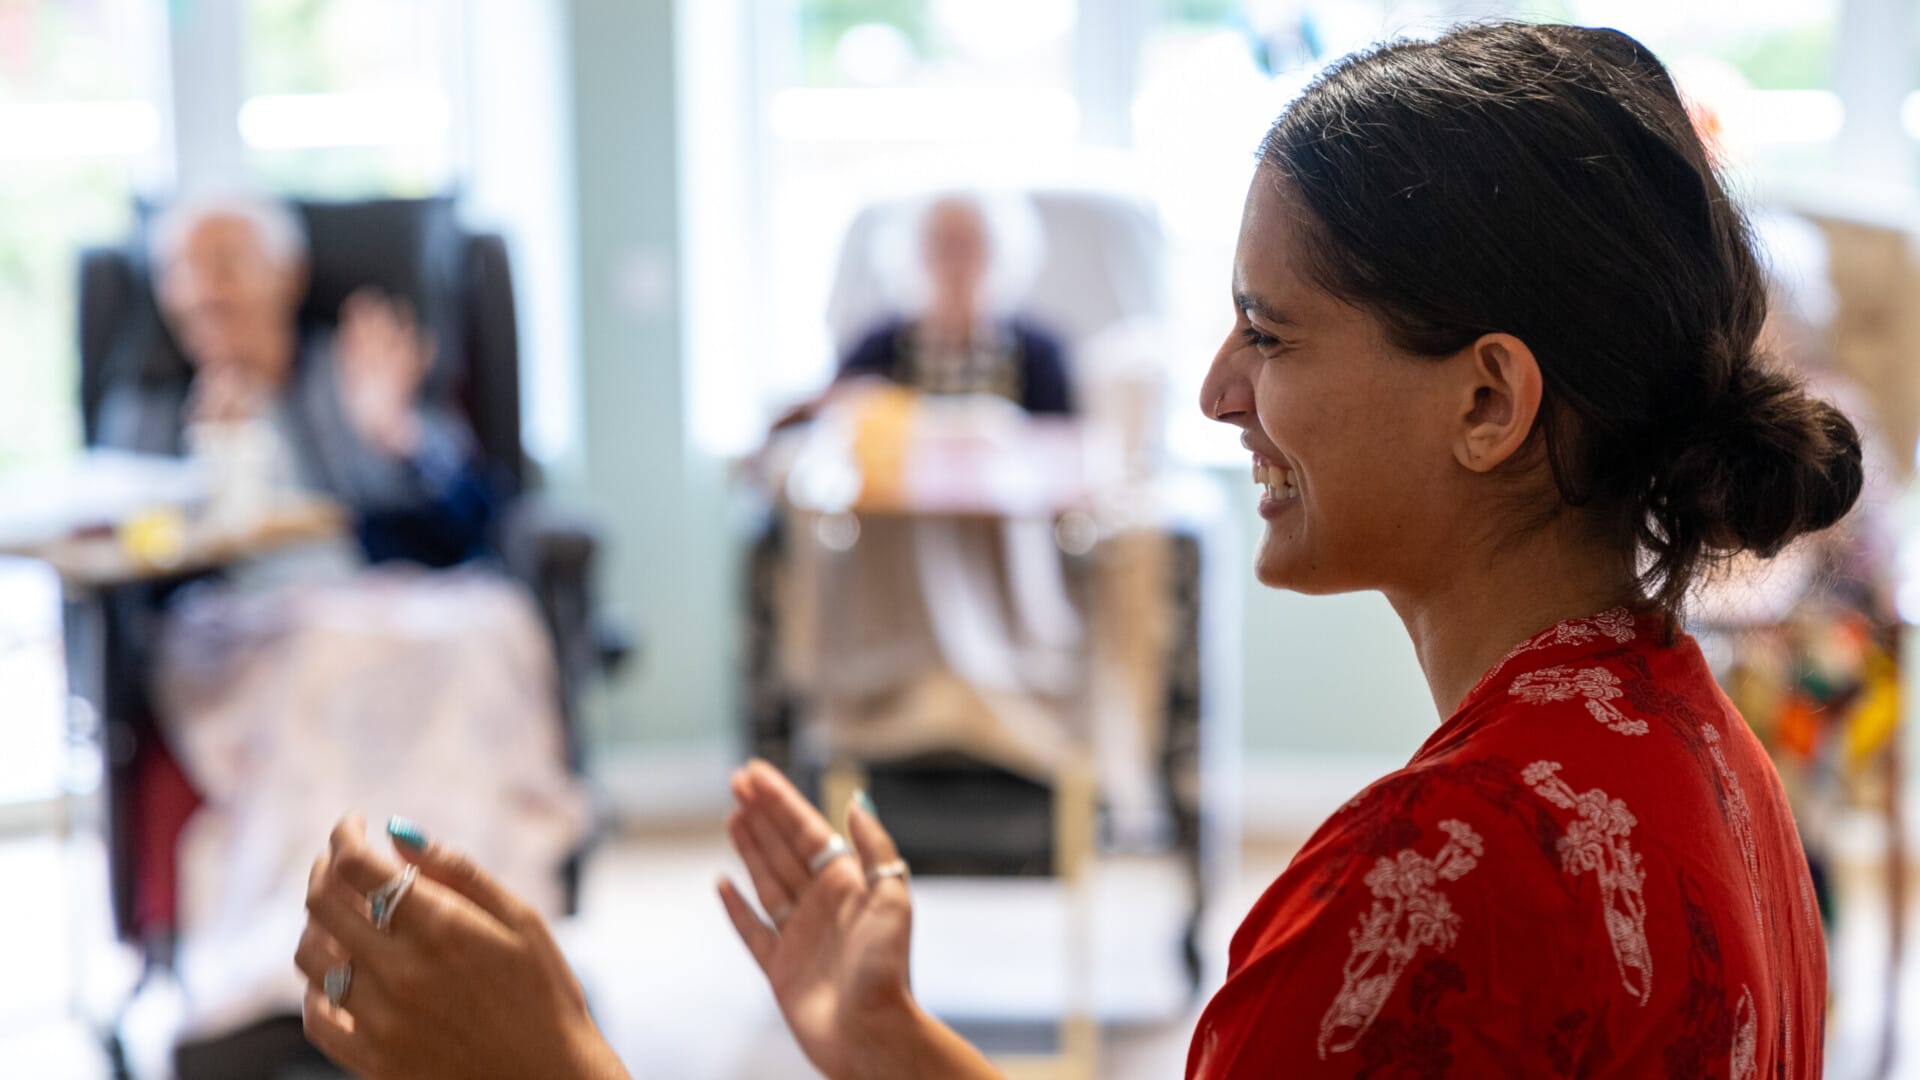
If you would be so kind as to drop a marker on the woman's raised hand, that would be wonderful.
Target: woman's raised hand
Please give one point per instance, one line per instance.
(836, 956)
(464, 981)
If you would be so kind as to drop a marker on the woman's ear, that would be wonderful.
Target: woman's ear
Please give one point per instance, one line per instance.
(1503, 399)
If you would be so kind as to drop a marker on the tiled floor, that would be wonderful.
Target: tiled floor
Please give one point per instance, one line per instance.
(681, 999)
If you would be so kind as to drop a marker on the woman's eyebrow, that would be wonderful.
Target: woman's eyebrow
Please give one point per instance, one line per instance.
(1253, 304)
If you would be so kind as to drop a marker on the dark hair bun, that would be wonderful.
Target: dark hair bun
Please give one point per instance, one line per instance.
(1767, 464)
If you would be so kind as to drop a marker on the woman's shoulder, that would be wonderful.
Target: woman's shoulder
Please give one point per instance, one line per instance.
(1427, 898)
(1456, 812)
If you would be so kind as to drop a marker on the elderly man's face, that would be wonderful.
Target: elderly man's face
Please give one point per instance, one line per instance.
(955, 248)
(228, 301)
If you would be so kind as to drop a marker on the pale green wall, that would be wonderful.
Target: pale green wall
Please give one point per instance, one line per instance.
(669, 569)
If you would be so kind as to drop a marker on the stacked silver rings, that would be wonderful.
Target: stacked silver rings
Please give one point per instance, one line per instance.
(381, 904)
(385, 900)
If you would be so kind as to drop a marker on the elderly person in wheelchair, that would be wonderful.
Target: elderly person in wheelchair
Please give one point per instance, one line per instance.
(956, 343)
(385, 669)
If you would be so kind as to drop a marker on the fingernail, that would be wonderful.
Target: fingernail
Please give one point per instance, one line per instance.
(406, 833)
(865, 803)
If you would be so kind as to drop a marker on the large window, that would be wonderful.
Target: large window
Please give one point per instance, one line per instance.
(106, 101)
(351, 97)
(336, 98)
(79, 120)
(891, 94)
(853, 99)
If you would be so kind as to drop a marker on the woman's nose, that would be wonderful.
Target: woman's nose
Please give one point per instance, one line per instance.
(1225, 394)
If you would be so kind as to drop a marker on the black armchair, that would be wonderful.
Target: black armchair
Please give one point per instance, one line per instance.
(461, 285)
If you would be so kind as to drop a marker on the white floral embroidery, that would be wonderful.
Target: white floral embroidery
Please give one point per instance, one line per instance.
(1615, 624)
(1744, 1063)
(1599, 842)
(1408, 913)
(1599, 686)
(1740, 816)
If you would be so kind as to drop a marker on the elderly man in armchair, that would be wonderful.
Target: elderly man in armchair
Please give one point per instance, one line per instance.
(392, 671)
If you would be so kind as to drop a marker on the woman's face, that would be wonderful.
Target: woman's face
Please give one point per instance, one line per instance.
(1352, 440)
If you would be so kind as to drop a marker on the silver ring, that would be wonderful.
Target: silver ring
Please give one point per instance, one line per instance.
(780, 915)
(337, 981)
(836, 847)
(385, 900)
(894, 869)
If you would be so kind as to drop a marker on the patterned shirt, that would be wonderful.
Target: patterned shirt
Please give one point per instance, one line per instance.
(1589, 870)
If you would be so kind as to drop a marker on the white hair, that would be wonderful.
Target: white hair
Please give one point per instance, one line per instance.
(275, 226)
(1016, 245)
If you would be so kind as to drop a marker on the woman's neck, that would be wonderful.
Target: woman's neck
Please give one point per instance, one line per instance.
(1464, 624)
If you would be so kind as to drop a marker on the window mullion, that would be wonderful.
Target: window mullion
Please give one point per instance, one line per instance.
(205, 79)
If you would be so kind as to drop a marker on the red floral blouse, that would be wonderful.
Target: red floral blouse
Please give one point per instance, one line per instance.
(1589, 870)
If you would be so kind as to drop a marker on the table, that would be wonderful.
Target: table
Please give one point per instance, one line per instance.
(97, 559)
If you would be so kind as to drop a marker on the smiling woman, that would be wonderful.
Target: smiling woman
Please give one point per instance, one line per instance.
(1516, 383)
(1494, 356)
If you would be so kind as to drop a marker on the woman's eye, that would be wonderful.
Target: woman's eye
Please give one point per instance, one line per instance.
(1257, 339)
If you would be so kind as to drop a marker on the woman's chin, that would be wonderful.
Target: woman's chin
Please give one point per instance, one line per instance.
(1281, 563)
(1274, 566)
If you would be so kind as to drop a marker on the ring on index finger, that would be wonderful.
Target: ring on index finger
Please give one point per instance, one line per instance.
(385, 900)
(834, 848)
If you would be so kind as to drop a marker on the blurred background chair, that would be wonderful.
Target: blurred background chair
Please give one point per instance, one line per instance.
(460, 283)
(1096, 282)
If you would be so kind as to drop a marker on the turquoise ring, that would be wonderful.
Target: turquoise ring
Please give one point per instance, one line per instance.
(385, 900)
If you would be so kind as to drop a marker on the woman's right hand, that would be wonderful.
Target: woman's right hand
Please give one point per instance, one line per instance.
(837, 956)
(466, 980)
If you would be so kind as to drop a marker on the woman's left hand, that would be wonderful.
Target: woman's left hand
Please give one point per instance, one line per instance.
(465, 982)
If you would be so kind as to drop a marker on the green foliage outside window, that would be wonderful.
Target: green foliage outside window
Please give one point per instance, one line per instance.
(47, 209)
(822, 22)
(1795, 59)
(1204, 12)
(53, 53)
(282, 52)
